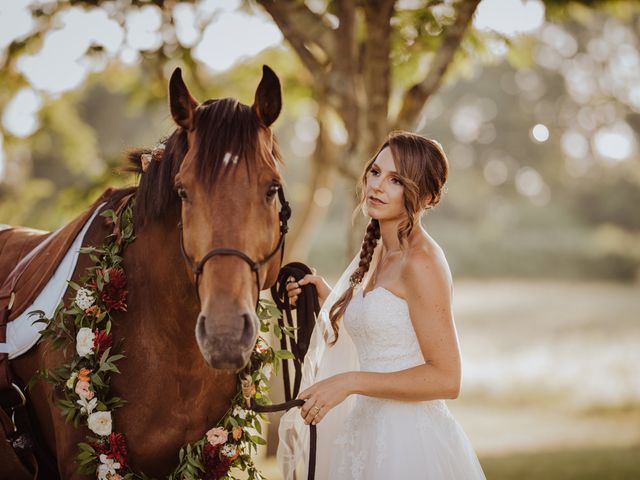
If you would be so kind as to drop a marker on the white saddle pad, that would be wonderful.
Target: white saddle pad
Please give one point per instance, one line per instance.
(22, 333)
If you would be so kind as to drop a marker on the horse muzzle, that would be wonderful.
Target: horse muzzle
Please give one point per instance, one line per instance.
(224, 347)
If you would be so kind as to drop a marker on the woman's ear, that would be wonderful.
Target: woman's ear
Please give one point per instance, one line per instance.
(426, 202)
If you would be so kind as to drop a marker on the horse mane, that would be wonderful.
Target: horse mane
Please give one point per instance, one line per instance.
(226, 130)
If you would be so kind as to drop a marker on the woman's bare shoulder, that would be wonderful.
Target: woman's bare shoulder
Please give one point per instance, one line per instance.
(425, 267)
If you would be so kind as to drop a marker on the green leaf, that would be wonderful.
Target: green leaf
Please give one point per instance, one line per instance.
(257, 439)
(86, 447)
(277, 331)
(284, 355)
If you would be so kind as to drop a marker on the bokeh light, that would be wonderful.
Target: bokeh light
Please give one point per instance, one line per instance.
(614, 142)
(540, 133)
(20, 117)
(509, 17)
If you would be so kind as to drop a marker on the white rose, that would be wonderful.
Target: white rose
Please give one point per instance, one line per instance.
(84, 298)
(84, 341)
(100, 423)
(267, 370)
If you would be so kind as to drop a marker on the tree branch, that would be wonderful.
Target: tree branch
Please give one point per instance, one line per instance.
(301, 27)
(416, 96)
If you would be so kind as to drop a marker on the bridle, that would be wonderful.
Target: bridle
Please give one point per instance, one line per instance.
(198, 267)
(308, 319)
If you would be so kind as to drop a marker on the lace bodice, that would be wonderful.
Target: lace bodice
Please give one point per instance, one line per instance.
(381, 329)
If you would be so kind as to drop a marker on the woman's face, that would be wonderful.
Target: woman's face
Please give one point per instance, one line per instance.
(384, 192)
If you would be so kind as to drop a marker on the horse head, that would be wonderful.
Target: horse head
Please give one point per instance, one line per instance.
(229, 184)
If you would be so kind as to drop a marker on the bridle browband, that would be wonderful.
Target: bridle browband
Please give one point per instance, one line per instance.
(198, 267)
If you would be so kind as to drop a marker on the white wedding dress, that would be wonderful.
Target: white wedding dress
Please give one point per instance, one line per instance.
(367, 438)
(390, 439)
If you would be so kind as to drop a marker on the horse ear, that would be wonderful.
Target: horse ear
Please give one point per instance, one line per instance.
(181, 102)
(268, 102)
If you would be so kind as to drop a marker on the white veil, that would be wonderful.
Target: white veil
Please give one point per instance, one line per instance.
(321, 361)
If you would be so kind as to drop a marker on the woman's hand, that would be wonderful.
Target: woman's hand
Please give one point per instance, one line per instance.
(322, 287)
(324, 395)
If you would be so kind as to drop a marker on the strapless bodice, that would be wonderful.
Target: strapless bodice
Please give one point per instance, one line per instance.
(380, 326)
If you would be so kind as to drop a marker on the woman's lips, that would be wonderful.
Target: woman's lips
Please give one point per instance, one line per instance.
(375, 201)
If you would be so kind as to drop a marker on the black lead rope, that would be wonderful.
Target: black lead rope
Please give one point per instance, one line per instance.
(307, 307)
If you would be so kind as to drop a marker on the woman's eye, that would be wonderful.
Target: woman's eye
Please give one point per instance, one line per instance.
(396, 181)
(374, 172)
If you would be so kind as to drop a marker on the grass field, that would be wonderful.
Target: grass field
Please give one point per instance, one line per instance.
(580, 464)
(551, 386)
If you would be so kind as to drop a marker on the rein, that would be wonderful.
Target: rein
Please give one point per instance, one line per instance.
(307, 308)
(198, 267)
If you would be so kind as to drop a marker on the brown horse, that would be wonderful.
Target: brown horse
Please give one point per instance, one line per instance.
(219, 177)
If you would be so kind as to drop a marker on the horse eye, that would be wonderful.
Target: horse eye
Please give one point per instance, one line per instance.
(182, 193)
(273, 189)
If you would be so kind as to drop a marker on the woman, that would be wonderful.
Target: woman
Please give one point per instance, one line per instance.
(383, 408)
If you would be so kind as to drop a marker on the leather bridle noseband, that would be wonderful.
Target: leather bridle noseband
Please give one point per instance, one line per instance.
(198, 267)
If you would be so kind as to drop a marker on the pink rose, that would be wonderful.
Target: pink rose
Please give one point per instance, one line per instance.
(217, 436)
(83, 390)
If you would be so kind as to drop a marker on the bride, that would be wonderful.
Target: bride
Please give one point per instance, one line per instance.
(384, 354)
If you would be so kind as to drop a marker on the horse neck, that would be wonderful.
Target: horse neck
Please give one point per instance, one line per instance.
(161, 290)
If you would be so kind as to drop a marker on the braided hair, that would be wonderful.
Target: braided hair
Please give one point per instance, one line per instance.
(369, 243)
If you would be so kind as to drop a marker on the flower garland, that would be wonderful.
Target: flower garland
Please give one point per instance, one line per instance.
(83, 383)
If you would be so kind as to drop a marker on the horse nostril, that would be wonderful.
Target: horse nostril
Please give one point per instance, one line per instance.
(201, 329)
(247, 329)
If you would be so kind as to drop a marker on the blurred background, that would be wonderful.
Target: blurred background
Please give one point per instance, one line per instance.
(537, 104)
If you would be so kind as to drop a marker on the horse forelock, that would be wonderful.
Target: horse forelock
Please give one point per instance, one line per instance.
(228, 136)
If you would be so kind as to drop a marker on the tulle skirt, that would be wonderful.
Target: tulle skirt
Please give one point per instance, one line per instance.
(388, 439)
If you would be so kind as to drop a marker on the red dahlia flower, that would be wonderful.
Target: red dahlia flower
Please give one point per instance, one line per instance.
(215, 465)
(114, 292)
(118, 449)
(115, 448)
